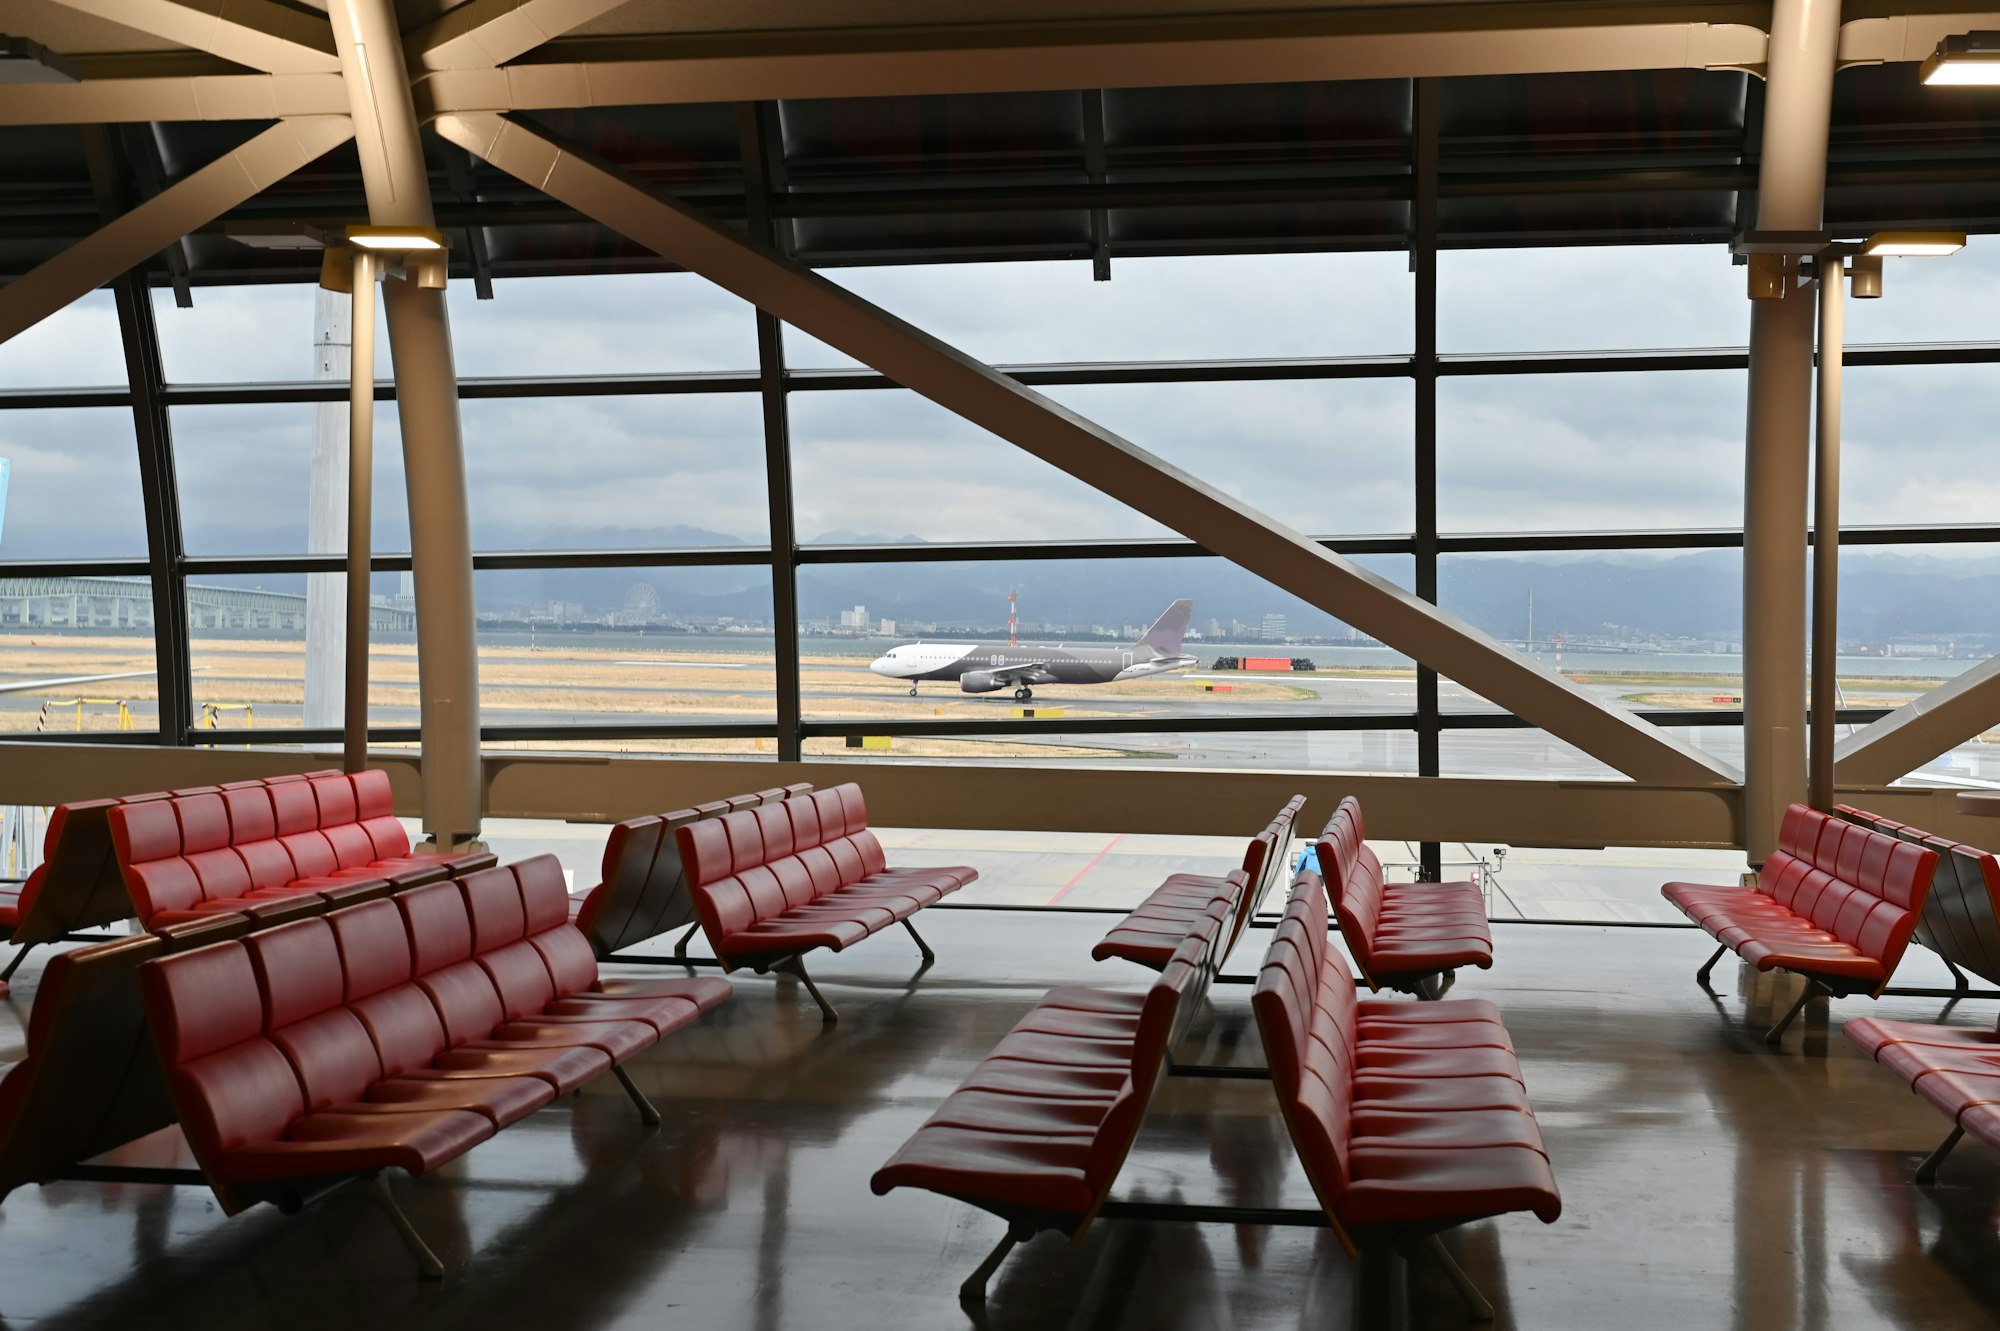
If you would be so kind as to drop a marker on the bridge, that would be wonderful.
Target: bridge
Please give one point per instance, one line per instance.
(63, 602)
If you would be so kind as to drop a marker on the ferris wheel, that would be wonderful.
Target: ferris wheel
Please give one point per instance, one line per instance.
(642, 604)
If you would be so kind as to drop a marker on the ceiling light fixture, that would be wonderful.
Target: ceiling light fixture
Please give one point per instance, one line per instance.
(1910, 244)
(1969, 59)
(407, 239)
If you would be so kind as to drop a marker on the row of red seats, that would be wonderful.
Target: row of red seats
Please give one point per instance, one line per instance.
(1409, 1118)
(1836, 903)
(773, 883)
(642, 891)
(1960, 918)
(1410, 937)
(242, 847)
(1154, 929)
(395, 1034)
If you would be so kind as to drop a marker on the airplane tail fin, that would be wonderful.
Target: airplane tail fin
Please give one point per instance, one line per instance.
(1169, 629)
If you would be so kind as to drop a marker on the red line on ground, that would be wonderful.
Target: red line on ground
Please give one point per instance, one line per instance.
(1085, 869)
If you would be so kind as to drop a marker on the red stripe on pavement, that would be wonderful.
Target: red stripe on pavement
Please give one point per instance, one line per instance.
(1085, 869)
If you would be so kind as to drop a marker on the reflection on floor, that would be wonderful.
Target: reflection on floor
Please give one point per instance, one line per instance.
(1709, 1181)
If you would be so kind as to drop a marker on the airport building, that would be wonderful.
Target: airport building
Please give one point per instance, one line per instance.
(532, 530)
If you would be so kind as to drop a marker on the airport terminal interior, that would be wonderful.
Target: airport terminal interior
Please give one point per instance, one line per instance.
(1078, 663)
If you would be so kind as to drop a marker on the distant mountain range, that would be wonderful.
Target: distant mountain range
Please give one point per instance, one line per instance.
(1937, 597)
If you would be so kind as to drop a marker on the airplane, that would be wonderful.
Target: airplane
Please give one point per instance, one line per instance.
(987, 667)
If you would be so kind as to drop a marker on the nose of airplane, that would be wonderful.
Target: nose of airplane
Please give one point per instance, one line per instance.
(883, 665)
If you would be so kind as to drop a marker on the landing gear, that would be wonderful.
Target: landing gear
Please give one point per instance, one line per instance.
(1023, 693)
(913, 690)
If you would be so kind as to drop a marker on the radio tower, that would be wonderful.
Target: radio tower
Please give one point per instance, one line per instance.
(1012, 622)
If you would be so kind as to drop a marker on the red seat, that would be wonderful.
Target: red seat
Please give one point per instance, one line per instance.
(1402, 935)
(396, 1033)
(1836, 902)
(1956, 1068)
(775, 881)
(1403, 1123)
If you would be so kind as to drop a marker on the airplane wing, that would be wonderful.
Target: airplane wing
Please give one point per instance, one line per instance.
(1027, 672)
(38, 685)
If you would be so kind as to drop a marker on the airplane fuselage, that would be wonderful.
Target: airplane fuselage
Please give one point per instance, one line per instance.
(1031, 663)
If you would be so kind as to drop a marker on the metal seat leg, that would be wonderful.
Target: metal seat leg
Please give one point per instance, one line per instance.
(1476, 1305)
(428, 1265)
(973, 1290)
(796, 968)
(647, 1114)
(1927, 1171)
(1701, 976)
(681, 944)
(1777, 1032)
(922, 946)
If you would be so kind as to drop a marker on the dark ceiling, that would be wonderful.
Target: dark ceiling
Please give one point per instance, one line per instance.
(1610, 158)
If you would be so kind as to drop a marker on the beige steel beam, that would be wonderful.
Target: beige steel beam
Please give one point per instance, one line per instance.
(161, 220)
(1921, 729)
(395, 180)
(1421, 42)
(1088, 452)
(109, 101)
(258, 33)
(481, 34)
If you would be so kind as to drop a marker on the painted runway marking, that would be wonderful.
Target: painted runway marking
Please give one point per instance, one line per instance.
(690, 665)
(1085, 869)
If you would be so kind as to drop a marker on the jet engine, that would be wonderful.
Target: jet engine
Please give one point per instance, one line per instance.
(980, 681)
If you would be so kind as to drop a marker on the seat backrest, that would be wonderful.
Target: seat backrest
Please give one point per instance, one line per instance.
(147, 841)
(340, 821)
(78, 884)
(301, 983)
(1960, 918)
(1352, 874)
(644, 888)
(748, 865)
(1864, 887)
(1169, 1007)
(375, 809)
(1312, 1072)
(90, 1080)
(1266, 862)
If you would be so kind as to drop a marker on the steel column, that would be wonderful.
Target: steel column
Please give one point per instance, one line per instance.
(158, 480)
(360, 513)
(1424, 116)
(754, 134)
(1826, 537)
(395, 178)
(1791, 188)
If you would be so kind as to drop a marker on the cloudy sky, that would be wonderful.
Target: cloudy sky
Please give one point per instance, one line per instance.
(1516, 453)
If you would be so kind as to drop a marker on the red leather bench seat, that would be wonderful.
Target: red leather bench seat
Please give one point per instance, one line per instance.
(1399, 933)
(1038, 1132)
(1955, 1068)
(400, 1032)
(1149, 935)
(782, 879)
(1836, 902)
(1404, 1115)
(642, 891)
(240, 848)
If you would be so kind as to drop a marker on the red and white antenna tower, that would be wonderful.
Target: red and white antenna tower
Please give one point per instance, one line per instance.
(1013, 622)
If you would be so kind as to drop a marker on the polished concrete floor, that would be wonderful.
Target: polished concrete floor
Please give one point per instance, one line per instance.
(1709, 1182)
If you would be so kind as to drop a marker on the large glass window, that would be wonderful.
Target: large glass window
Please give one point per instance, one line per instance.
(72, 485)
(617, 646)
(258, 334)
(77, 655)
(247, 482)
(1574, 452)
(1918, 444)
(616, 472)
(76, 347)
(1256, 650)
(629, 323)
(1213, 307)
(1590, 298)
